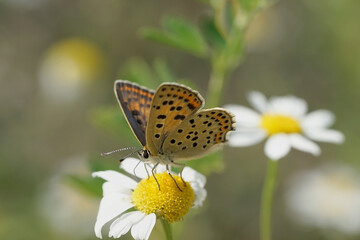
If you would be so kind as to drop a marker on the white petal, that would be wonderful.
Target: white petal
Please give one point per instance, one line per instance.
(245, 117)
(301, 143)
(116, 177)
(110, 207)
(325, 135)
(197, 182)
(287, 105)
(142, 229)
(200, 195)
(257, 101)
(123, 224)
(135, 167)
(160, 168)
(246, 137)
(277, 146)
(318, 119)
(115, 188)
(190, 175)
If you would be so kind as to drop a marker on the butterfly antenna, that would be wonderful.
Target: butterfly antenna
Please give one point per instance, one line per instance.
(119, 150)
(137, 150)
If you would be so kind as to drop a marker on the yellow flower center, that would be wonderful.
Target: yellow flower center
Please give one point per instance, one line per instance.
(276, 123)
(168, 202)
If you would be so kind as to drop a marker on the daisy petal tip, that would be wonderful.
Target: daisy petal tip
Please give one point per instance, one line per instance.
(95, 174)
(274, 159)
(191, 175)
(97, 230)
(341, 138)
(255, 93)
(326, 135)
(277, 147)
(317, 153)
(102, 174)
(257, 100)
(245, 138)
(143, 229)
(274, 156)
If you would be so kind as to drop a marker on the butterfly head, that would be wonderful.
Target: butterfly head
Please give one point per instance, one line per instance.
(144, 155)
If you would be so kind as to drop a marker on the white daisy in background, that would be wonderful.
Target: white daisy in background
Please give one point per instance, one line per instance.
(285, 122)
(327, 197)
(60, 201)
(135, 206)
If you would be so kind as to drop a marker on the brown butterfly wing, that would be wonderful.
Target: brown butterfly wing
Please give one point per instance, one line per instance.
(199, 134)
(135, 102)
(172, 104)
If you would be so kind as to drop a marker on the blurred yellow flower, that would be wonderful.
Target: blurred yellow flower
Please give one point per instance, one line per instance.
(67, 66)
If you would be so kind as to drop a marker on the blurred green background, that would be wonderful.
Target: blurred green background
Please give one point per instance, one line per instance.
(51, 125)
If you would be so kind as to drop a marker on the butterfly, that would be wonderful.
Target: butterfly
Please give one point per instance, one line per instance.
(170, 123)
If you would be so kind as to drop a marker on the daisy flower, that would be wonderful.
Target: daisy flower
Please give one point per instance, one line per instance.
(135, 205)
(327, 197)
(59, 201)
(285, 122)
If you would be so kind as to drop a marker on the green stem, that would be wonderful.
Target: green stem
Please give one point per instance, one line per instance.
(219, 17)
(226, 59)
(266, 201)
(216, 85)
(167, 229)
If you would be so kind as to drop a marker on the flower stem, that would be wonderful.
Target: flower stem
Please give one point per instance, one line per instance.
(266, 201)
(167, 229)
(216, 85)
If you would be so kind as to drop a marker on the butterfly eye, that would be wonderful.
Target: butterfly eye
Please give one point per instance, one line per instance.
(146, 154)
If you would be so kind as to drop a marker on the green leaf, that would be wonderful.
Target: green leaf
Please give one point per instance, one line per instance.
(208, 164)
(138, 70)
(250, 5)
(230, 57)
(179, 34)
(163, 71)
(212, 34)
(112, 121)
(233, 51)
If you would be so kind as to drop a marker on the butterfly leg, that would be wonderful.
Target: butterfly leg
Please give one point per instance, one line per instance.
(153, 173)
(181, 170)
(134, 170)
(168, 171)
(146, 169)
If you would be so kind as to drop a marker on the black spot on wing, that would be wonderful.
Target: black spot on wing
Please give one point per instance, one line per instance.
(179, 117)
(135, 112)
(190, 106)
(161, 116)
